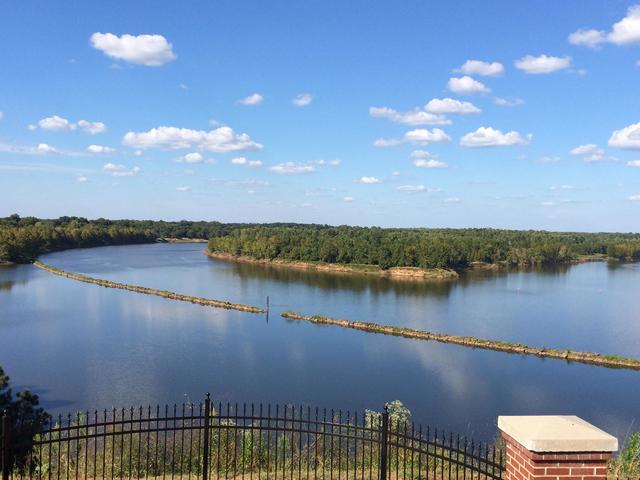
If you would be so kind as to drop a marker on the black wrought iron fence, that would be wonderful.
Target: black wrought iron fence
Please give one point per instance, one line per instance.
(245, 442)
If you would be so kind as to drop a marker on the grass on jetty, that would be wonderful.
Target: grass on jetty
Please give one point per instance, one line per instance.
(150, 291)
(610, 361)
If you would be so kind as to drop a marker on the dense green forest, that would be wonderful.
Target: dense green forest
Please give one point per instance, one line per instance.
(24, 238)
(425, 248)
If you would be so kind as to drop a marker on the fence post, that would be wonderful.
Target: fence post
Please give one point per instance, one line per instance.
(555, 447)
(6, 446)
(205, 458)
(384, 434)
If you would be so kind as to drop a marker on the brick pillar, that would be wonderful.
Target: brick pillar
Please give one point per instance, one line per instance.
(555, 448)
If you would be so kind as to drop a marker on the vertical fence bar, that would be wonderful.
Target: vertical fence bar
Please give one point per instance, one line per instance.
(205, 454)
(6, 446)
(384, 433)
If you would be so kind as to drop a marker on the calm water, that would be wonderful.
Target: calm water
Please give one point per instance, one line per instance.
(82, 346)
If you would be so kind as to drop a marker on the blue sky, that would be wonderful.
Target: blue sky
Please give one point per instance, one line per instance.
(392, 113)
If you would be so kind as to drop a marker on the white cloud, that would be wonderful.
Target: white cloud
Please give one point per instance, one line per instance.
(56, 123)
(183, 189)
(449, 105)
(415, 117)
(590, 152)
(624, 32)
(1, 115)
(588, 38)
(221, 139)
(302, 100)
(564, 187)
(183, 86)
(416, 188)
(348, 199)
(634, 198)
(542, 64)
(634, 163)
(628, 137)
(452, 200)
(369, 180)
(395, 174)
(424, 159)
(100, 149)
(509, 102)
(490, 137)
(419, 136)
(138, 153)
(148, 50)
(120, 170)
(423, 136)
(477, 67)
(44, 148)
(253, 99)
(387, 142)
(92, 127)
(246, 162)
(466, 86)
(292, 168)
(193, 157)
(82, 179)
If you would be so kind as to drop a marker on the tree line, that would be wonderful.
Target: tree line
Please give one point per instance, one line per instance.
(419, 247)
(22, 239)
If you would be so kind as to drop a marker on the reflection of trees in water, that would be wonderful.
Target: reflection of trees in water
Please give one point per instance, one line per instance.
(342, 281)
(7, 284)
(358, 283)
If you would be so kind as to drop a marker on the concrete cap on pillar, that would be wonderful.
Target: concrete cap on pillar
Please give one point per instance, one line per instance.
(557, 433)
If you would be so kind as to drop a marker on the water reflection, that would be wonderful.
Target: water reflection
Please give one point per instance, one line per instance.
(85, 346)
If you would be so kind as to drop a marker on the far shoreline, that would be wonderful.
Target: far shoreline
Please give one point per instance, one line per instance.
(393, 273)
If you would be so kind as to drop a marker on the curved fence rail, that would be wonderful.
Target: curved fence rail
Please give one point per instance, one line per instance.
(245, 442)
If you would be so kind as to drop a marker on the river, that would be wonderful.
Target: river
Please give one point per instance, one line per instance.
(81, 346)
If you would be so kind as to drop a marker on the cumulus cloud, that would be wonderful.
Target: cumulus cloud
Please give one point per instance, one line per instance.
(100, 149)
(244, 161)
(490, 137)
(292, 168)
(220, 140)
(634, 198)
(148, 50)
(633, 163)
(193, 157)
(466, 86)
(348, 199)
(302, 100)
(183, 189)
(624, 32)
(452, 200)
(56, 123)
(449, 105)
(44, 148)
(565, 187)
(419, 136)
(120, 170)
(92, 127)
(627, 137)
(253, 99)
(369, 180)
(590, 152)
(588, 38)
(416, 188)
(542, 64)
(477, 67)
(1, 115)
(82, 179)
(508, 102)
(414, 117)
(423, 159)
